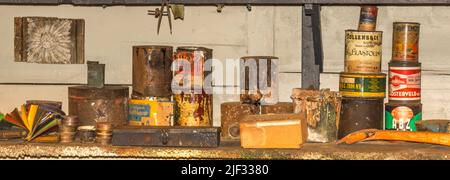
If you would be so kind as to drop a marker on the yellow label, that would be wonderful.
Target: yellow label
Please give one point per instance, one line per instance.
(363, 52)
(150, 113)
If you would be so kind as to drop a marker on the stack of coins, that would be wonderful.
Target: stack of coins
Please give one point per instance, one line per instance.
(104, 133)
(362, 82)
(404, 108)
(68, 129)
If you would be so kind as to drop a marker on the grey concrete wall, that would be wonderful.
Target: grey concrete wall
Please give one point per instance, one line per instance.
(112, 31)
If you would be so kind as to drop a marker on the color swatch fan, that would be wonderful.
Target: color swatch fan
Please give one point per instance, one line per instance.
(37, 120)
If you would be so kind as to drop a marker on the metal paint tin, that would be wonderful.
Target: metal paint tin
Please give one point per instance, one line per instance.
(362, 85)
(260, 82)
(232, 113)
(196, 56)
(405, 43)
(96, 74)
(368, 18)
(150, 113)
(360, 113)
(404, 82)
(92, 105)
(194, 110)
(402, 116)
(152, 70)
(363, 51)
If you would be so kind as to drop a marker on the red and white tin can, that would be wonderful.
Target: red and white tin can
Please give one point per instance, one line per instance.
(405, 82)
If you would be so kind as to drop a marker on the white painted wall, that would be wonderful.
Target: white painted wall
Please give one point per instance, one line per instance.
(111, 31)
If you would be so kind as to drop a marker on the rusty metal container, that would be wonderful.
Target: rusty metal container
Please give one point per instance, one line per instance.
(279, 108)
(92, 105)
(56, 104)
(322, 109)
(405, 81)
(96, 74)
(405, 41)
(259, 82)
(196, 57)
(360, 113)
(150, 112)
(232, 113)
(152, 70)
(194, 109)
(363, 51)
(368, 18)
(402, 116)
(363, 85)
(202, 137)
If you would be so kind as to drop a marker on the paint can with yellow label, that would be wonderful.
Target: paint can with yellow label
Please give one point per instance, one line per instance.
(363, 51)
(363, 85)
(405, 42)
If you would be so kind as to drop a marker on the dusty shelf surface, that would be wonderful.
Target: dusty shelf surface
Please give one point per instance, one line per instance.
(311, 151)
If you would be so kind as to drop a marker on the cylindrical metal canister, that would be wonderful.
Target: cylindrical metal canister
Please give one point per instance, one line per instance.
(194, 109)
(405, 45)
(368, 18)
(403, 116)
(92, 105)
(96, 74)
(151, 112)
(152, 70)
(360, 113)
(363, 85)
(279, 108)
(232, 113)
(404, 82)
(363, 51)
(196, 57)
(259, 81)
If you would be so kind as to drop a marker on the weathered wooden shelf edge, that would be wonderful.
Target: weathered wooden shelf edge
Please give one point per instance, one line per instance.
(364, 151)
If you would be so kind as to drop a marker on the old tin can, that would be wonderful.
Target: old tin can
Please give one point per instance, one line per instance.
(194, 109)
(368, 18)
(322, 110)
(232, 113)
(201, 137)
(96, 74)
(56, 104)
(151, 112)
(259, 79)
(152, 70)
(279, 108)
(86, 134)
(404, 82)
(360, 113)
(402, 116)
(405, 45)
(363, 51)
(92, 105)
(362, 85)
(196, 57)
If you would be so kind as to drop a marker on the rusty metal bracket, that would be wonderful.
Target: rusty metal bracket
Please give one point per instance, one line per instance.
(159, 13)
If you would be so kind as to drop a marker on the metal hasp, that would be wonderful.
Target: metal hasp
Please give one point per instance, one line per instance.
(312, 50)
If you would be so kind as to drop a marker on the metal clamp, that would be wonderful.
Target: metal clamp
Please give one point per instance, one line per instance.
(160, 12)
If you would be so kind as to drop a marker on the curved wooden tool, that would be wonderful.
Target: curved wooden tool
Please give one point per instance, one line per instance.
(419, 137)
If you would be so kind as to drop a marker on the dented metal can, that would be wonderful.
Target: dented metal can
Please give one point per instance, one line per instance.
(152, 70)
(232, 113)
(360, 113)
(196, 58)
(92, 105)
(405, 82)
(363, 51)
(194, 109)
(402, 116)
(323, 111)
(405, 43)
(368, 18)
(362, 85)
(259, 79)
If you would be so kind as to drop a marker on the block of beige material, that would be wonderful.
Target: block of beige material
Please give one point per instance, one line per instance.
(283, 131)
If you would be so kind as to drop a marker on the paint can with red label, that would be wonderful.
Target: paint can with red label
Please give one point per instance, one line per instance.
(368, 18)
(404, 82)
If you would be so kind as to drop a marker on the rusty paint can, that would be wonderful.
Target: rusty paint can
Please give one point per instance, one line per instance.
(363, 51)
(196, 57)
(232, 113)
(405, 82)
(279, 108)
(362, 85)
(360, 113)
(259, 82)
(368, 18)
(92, 105)
(322, 109)
(150, 112)
(152, 70)
(194, 110)
(402, 116)
(405, 43)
